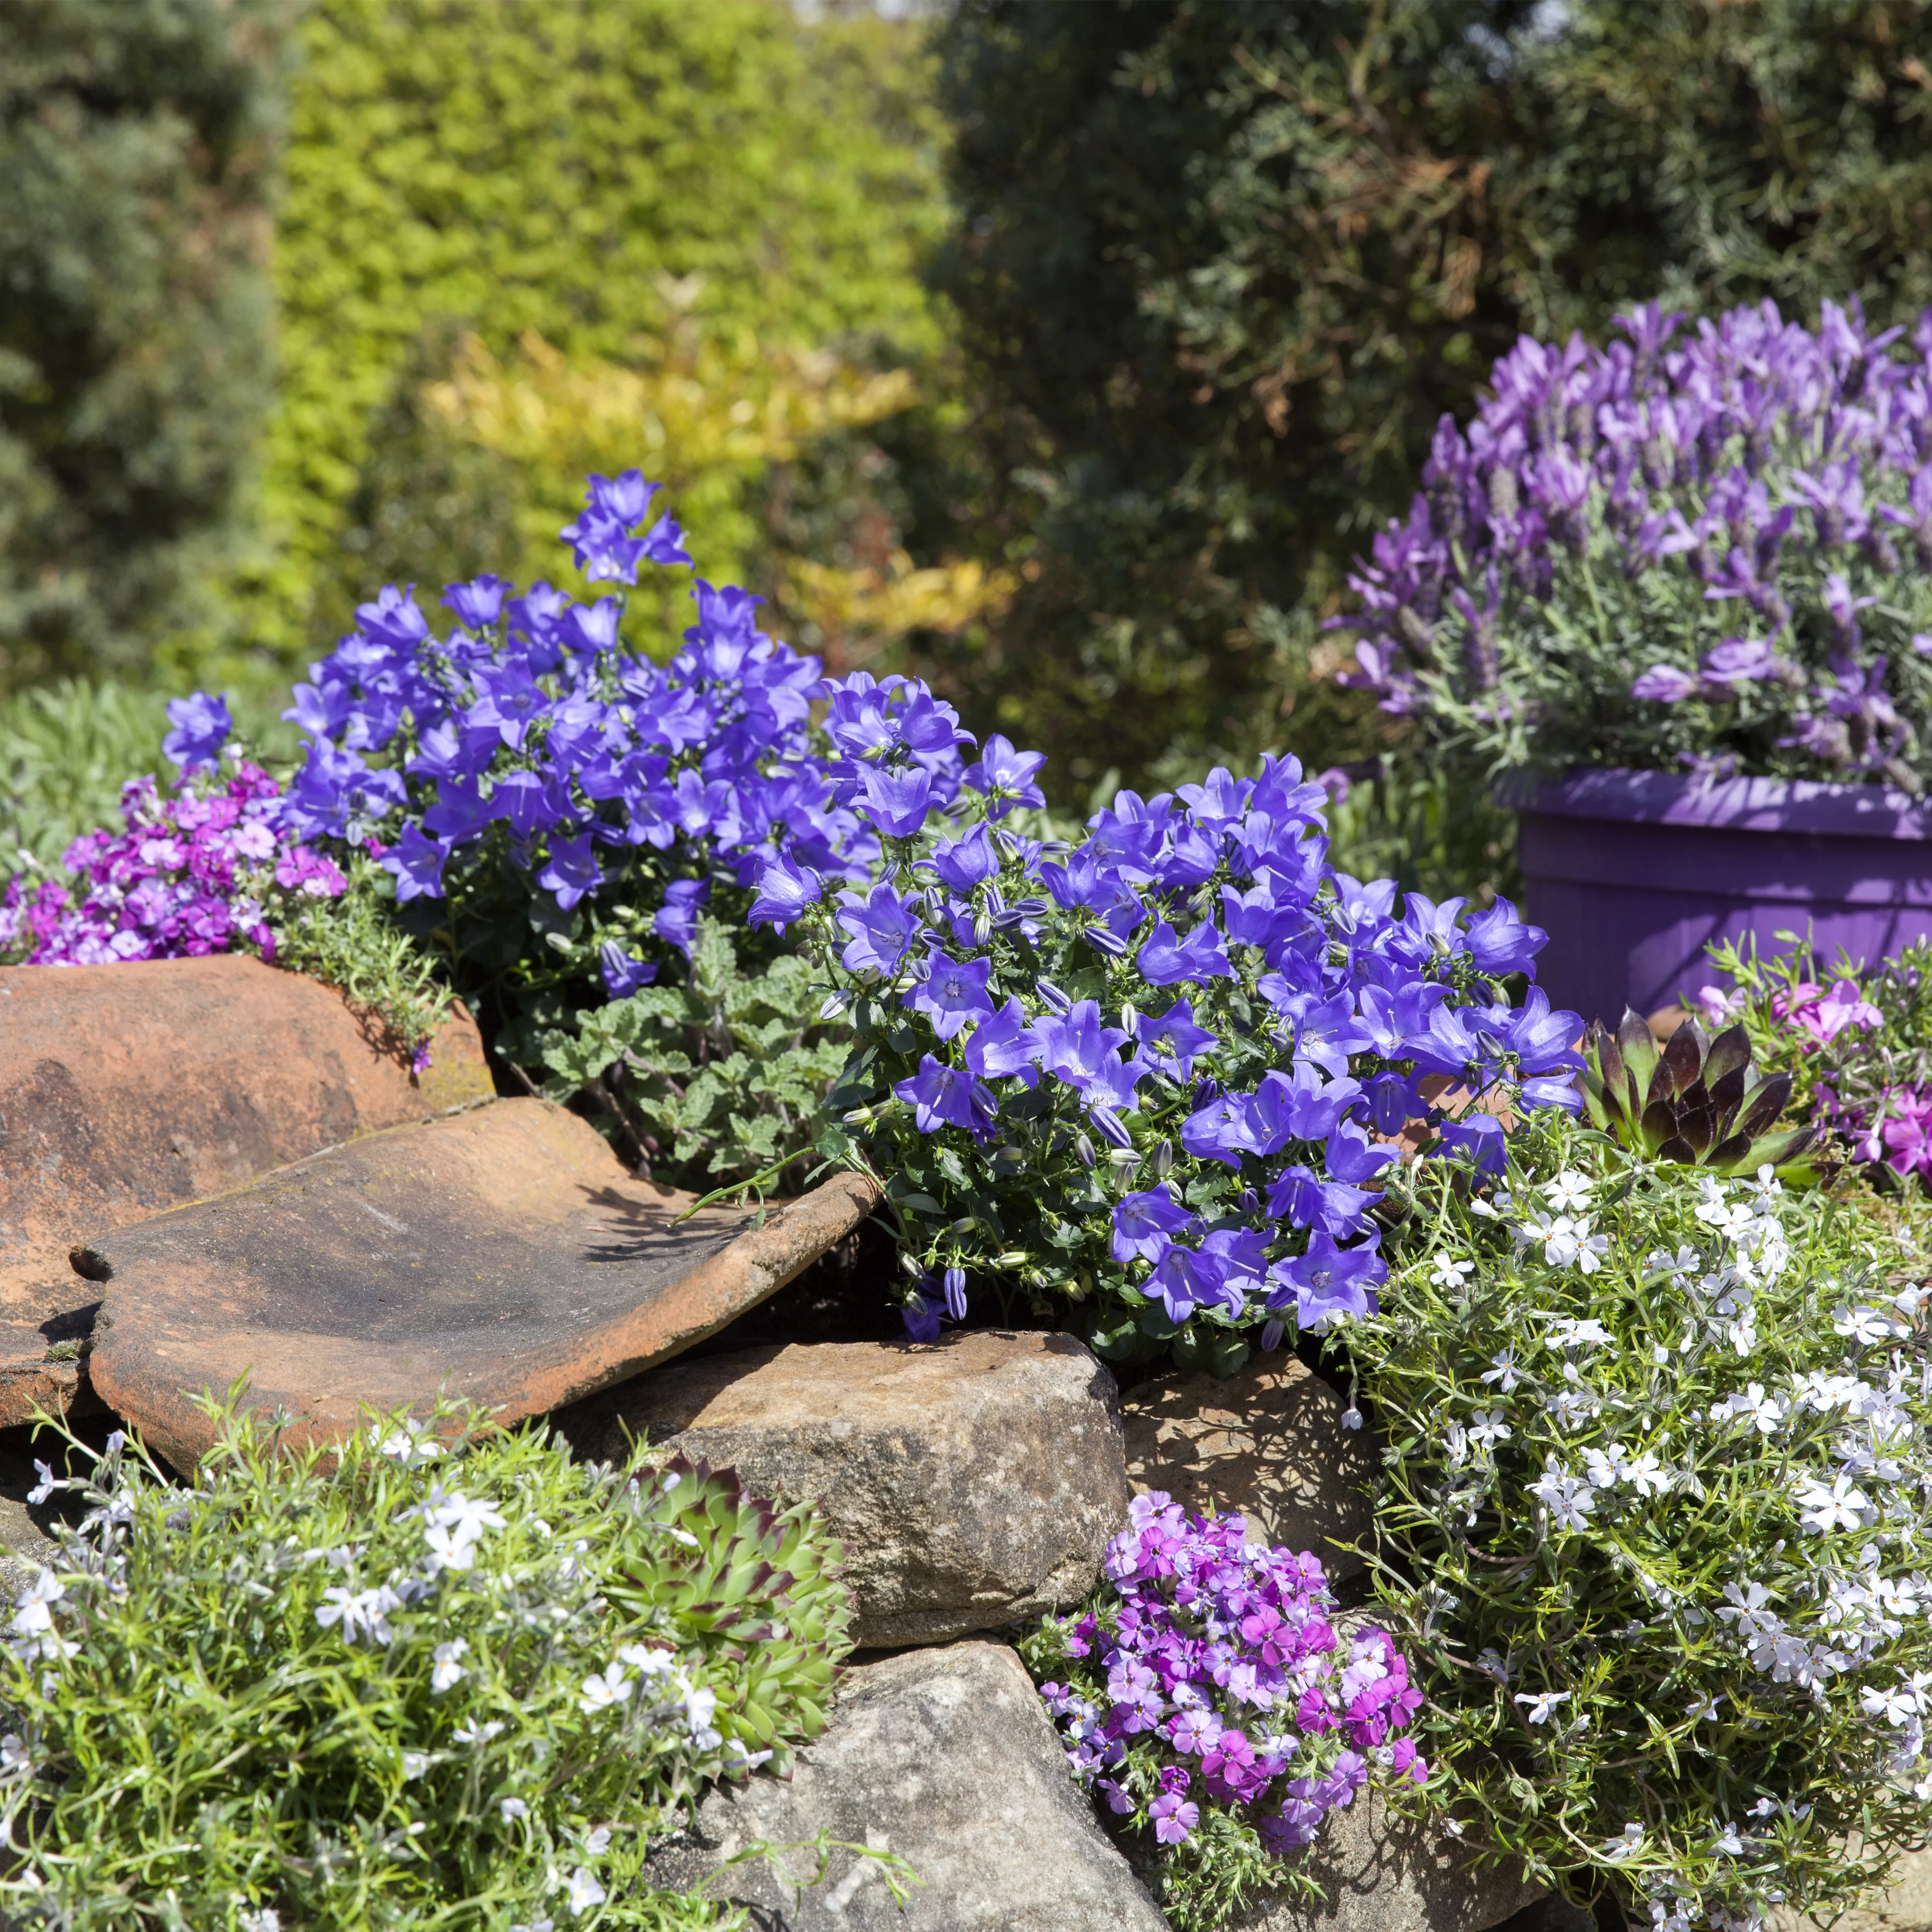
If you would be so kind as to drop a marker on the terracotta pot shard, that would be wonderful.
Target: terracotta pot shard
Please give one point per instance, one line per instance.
(502, 1256)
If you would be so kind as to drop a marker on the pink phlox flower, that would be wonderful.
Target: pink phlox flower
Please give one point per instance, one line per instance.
(1174, 1818)
(1907, 1131)
(1844, 1006)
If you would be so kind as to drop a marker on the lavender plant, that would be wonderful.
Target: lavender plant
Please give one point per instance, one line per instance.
(1707, 549)
(440, 1679)
(1196, 1638)
(1140, 1075)
(1655, 1521)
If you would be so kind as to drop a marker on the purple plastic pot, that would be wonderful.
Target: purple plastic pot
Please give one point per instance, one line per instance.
(1632, 873)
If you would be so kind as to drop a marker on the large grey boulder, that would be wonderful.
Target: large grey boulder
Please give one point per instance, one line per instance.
(1267, 1443)
(974, 1480)
(946, 1758)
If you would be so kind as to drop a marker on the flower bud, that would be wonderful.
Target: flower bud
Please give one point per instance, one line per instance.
(912, 1267)
(1053, 996)
(832, 1006)
(1248, 1201)
(1163, 1160)
(1083, 1151)
(1013, 1258)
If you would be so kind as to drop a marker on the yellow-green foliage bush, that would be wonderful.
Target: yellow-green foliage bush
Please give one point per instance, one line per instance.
(586, 171)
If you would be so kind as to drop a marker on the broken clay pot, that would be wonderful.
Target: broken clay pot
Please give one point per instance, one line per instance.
(502, 1256)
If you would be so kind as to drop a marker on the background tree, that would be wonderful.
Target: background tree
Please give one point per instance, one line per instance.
(138, 142)
(1228, 261)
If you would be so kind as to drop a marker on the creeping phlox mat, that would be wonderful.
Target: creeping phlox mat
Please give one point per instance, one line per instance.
(502, 1256)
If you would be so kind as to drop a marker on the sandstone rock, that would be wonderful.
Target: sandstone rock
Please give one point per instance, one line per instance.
(1383, 1874)
(126, 1090)
(502, 1255)
(946, 1757)
(1268, 1442)
(973, 1481)
(1904, 1905)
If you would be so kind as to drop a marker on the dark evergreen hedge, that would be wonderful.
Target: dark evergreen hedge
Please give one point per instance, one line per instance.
(138, 144)
(1231, 260)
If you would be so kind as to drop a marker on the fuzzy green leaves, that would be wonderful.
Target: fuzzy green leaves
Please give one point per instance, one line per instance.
(725, 1074)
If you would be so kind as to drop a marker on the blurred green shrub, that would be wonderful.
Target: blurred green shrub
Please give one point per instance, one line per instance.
(138, 143)
(586, 172)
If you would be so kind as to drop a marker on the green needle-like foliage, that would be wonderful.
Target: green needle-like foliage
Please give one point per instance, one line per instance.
(439, 1678)
(1696, 1099)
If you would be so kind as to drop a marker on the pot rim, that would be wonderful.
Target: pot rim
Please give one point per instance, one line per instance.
(1805, 806)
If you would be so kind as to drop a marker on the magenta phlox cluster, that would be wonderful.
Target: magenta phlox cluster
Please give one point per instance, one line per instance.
(1823, 1015)
(527, 720)
(1751, 483)
(1211, 1672)
(184, 877)
(1192, 988)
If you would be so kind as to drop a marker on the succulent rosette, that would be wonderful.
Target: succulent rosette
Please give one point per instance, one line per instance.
(1154, 1076)
(1704, 548)
(1210, 1696)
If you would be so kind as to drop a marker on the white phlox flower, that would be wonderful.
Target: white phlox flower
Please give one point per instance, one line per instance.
(1451, 1272)
(461, 1515)
(1539, 1706)
(1570, 1332)
(1569, 1192)
(45, 1487)
(1839, 1504)
(33, 1614)
(1868, 1327)
(582, 1891)
(448, 1550)
(1703, 1710)
(604, 1689)
(1646, 1473)
(409, 1443)
(1568, 1241)
(359, 1612)
(1660, 1261)
(267, 1920)
(1503, 1371)
(474, 1733)
(1487, 1428)
(511, 1809)
(647, 1662)
(446, 1669)
(1753, 1406)
(1630, 1840)
(1569, 1499)
(1896, 1704)
(16, 1760)
(414, 1763)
